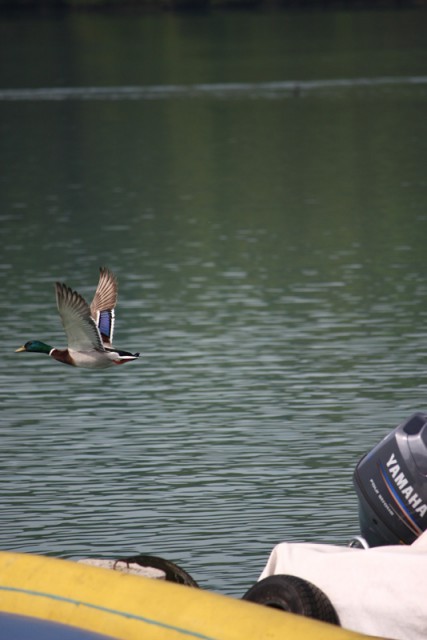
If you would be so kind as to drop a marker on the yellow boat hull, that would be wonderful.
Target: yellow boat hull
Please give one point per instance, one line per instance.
(135, 608)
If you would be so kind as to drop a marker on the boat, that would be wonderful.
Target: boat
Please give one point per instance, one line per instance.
(79, 600)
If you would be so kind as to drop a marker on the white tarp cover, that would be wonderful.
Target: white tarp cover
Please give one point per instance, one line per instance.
(380, 591)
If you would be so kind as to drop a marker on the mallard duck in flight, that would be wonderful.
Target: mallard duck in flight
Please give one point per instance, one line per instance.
(89, 329)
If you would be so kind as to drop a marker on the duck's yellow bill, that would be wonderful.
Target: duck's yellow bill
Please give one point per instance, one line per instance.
(20, 349)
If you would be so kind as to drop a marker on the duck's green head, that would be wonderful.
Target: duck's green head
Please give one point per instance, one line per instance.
(35, 346)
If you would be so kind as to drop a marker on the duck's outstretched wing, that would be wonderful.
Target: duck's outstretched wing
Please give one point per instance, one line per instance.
(81, 329)
(103, 305)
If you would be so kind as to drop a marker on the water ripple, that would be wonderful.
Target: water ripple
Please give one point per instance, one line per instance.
(245, 89)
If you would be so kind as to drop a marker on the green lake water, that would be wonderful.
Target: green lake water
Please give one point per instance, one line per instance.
(257, 181)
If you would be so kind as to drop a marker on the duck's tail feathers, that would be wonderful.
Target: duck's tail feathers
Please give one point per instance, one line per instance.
(123, 356)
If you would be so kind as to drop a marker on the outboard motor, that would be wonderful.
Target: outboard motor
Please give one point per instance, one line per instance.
(391, 485)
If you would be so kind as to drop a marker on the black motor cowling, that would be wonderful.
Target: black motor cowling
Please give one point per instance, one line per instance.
(391, 484)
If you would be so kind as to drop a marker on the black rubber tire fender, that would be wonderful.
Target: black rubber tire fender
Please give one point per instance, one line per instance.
(293, 594)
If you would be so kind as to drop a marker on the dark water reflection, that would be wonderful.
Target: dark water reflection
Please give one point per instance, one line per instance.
(271, 258)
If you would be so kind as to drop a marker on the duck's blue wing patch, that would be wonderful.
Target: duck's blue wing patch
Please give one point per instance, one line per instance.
(106, 325)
